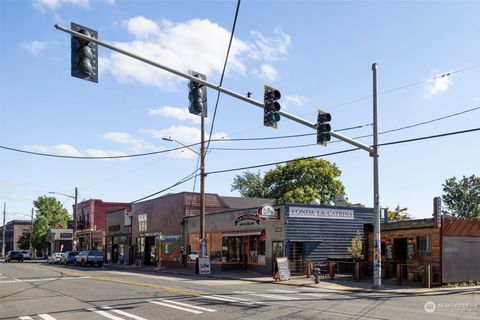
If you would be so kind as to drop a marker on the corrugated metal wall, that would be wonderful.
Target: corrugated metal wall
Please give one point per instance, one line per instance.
(325, 237)
(460, 259)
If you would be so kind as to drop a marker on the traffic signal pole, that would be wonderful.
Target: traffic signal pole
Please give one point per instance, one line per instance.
(373, 151)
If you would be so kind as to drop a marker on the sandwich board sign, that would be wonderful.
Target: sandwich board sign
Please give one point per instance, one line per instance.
(204, 265)
(282, 270)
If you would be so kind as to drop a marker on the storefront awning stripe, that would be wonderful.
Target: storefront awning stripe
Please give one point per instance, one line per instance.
(241, 234)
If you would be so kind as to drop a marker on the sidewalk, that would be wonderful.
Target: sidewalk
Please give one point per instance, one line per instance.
(300, 281)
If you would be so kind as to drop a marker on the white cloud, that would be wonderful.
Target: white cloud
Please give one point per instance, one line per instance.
(175, 113)
(183, 134)
(268, 72)
(293, 101)
(141, 27)
(438, 85)
(179, 46)
(138, 145)
(103, 153)
(270, 48)
(34, 47)
(56, 4)
(59, 149)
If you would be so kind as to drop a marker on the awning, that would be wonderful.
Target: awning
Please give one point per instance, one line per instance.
(241, 234)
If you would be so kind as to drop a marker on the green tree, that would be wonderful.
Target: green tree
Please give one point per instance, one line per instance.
(301, 180)
(356, 250)
(50, 214)
(24, 242)
(250, 185)
(398, 214)
(462, 198)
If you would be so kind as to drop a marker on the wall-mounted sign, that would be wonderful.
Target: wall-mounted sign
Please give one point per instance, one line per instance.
(437, 212)
(389, 251)
(247, 220)
(410, 251)
(65, 235)
(266, 212)
(321, 213)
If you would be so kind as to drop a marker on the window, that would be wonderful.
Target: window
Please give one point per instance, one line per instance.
(214, 242)
(232, 249)
(142, 222)
(423, 243)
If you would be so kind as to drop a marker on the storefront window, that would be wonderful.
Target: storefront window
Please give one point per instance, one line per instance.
(140, 248)
(232, 249)
(193, 247)
(423, 245)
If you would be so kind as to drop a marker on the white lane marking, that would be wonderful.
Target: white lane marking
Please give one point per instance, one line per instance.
(176, 307)
(123, 313)
(105, 314)
(26, 318)
(43, 279)
(318, 295)
(232, 299)
(46, 316)
(269, 296)
(189, 305)
(282, 291)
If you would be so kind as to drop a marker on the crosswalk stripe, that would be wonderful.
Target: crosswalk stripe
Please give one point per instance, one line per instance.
(235, 300)
(46, 316)
(282, 291)
(176, 307)
(105, 314)
(270, 296)
(26, 318)
(123, 313)
(190, 306)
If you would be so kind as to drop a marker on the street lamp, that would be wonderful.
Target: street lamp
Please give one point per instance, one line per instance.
(203, 240)
(74, 235)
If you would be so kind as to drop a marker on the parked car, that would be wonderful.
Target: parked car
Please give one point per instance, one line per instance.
(14, 255)
(55, 257)
(69, 257)
(26, 254)
(90, 257)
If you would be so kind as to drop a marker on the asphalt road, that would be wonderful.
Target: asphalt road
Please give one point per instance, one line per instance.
(40, 291)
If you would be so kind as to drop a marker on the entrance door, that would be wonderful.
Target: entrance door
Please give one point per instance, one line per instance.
(296, 257)
(115, 253)
(150, 256)
(400, 255)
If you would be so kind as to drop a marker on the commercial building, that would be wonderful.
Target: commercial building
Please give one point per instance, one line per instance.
(253, 238)
(91, 222)
(157, 224)
(118, 225)
(59, 240)
(449, 245)
(14, 230)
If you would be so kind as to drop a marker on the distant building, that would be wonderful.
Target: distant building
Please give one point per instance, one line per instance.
(91, 222)
(118, 237)
(59, 240)
(14, 230)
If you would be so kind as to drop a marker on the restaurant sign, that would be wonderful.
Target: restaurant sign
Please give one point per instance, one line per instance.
(246, 220)
(321, 213)
(266, 212)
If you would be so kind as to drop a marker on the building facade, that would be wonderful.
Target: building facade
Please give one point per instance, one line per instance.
(59, 240)
(450, 247)
(91, 222)
(118, 225)
(253, 238)
(14, 230)
(157, 224)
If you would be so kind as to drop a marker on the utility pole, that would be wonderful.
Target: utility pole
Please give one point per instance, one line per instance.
(31, 231)
(202, 189)
(3, 230)
(377, 249)
(74, 235)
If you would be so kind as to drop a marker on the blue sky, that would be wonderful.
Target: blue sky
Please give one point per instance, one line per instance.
(319, 54)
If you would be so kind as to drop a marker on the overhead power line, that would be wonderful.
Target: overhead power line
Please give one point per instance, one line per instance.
(344, 151)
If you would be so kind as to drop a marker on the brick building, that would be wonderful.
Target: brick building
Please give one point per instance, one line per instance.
(14, 230)
(91, 222)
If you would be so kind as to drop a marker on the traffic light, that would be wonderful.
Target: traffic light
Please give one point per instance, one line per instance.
(271, 107)
(84, 61)
(197, 95)
(323, 127)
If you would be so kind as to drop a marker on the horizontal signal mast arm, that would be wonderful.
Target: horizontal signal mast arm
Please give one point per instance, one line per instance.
(212, 86)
